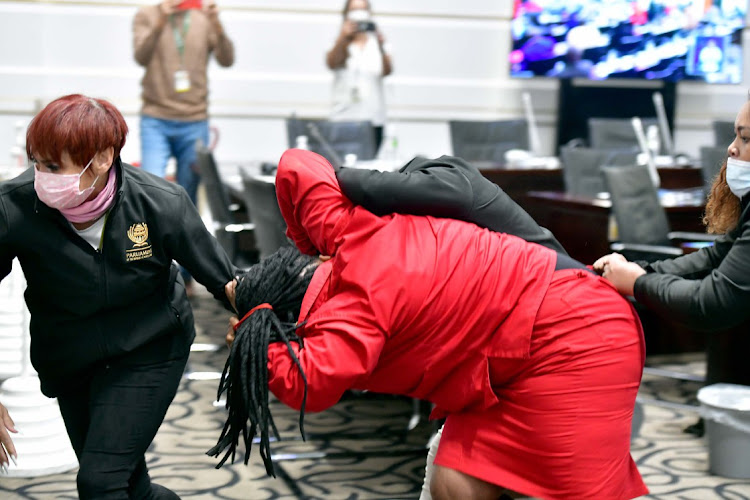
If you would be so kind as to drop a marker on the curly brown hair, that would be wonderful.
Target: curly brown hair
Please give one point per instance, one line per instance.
(723, 207)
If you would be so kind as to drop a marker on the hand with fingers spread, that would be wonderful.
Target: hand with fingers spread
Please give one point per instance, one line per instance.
(7, 449)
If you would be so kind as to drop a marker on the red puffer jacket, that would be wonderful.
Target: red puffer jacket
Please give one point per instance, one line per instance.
(407, 305)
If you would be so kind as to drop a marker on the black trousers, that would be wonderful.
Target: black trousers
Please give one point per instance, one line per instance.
(112, 414)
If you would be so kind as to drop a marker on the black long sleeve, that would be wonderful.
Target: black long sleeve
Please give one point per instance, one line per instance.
(708, 290)
(440, 191)
(444, 187)
(199, 252)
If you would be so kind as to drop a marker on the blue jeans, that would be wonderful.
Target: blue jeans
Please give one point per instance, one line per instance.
(161, 139)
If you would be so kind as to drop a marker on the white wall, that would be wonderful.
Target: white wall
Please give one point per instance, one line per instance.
(450, 61)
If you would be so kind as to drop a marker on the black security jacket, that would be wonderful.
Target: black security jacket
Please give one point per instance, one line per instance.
(706, 290)
(90, 305)
(443, 187)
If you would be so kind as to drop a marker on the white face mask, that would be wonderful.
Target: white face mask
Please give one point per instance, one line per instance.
(738, 176)
(358, 15)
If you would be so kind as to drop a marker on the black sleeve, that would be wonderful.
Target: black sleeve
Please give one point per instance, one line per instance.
(717, 301)
(696, 265)
(198, 251)
(6, 256)
(440, 191)
(445, 187)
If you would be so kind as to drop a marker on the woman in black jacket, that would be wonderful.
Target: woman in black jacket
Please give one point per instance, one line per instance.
(111, 325)
(709, 289)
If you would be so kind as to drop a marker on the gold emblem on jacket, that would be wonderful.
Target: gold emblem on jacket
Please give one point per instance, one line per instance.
(138, 234)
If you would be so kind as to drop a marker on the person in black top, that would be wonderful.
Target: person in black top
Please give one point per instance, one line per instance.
(111, 325)
(709, 289)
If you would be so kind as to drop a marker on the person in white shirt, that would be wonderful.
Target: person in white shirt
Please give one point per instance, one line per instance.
(360, 61)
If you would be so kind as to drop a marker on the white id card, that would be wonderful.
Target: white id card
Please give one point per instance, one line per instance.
(181, 81)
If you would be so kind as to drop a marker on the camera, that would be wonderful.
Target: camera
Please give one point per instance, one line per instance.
(365, 26)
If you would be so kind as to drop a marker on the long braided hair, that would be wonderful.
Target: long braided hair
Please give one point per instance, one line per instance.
(268, 298)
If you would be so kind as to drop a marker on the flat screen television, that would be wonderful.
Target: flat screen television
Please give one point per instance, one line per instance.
(669, 40)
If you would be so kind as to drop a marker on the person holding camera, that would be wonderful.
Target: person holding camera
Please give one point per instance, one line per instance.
(359, 60)
(173, 41)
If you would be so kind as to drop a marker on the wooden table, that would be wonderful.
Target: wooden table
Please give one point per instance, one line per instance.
(581, 224)
(517, 181)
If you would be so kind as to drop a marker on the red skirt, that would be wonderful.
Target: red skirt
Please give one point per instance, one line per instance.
(562, 426)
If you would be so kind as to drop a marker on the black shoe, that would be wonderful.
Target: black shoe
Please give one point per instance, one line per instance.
(159, 492)
(697, 429)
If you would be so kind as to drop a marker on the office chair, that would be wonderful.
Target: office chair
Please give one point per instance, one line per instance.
(712, 158)
(723, 133)
(270, 228)
(488, 140)
(642, 223)
(227, 228)
(644, 235)
(582, 168)
(616, 133)
(334, 139)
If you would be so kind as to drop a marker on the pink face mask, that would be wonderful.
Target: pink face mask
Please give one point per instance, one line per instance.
(61, 191)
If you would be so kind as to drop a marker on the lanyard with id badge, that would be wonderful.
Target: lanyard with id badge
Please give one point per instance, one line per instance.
(181, 76)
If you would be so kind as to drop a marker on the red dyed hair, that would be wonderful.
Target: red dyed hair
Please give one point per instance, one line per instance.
(79, 125)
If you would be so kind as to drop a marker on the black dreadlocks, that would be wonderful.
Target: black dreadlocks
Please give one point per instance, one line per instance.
(281, 281)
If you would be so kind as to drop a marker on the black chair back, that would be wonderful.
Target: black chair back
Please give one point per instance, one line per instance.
(712, 158)
(216, 192)
(582, 168)
(270, 228)
(723, 133)
(639, 214)
(227, 229)
(345, 137)
(488, 140)
(616, 133)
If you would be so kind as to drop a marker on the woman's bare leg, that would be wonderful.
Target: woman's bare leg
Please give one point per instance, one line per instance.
(448, 484)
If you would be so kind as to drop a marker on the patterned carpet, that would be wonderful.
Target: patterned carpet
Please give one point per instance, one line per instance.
(674, 464)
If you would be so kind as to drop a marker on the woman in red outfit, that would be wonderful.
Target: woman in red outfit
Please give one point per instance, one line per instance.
(535, 368)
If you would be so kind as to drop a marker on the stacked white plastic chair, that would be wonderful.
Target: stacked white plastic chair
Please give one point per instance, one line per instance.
(42, 443)
(12, 333)
(12, 309)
